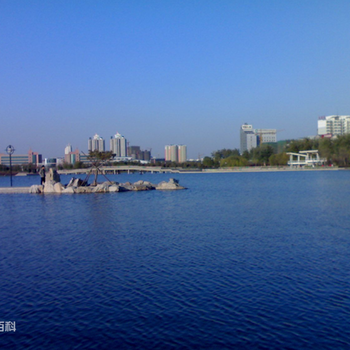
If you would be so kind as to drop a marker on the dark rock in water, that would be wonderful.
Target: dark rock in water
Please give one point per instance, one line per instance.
(75, 182)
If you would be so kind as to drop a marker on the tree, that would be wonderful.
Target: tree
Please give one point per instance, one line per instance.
(224, 153)
(279, 159)
(233, 161)
(261, 155)
(98, 159)
(209, 162)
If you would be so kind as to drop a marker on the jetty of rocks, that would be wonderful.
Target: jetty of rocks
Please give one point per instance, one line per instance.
(77, 185)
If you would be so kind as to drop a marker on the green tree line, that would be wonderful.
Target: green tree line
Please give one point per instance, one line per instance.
(335, 150)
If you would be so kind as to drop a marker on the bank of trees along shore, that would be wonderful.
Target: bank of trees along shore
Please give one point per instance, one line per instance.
(336, 151)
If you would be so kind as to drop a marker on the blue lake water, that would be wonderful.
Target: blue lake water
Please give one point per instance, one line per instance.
(236, 261)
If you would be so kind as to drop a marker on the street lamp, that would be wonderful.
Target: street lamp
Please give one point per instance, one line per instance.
(10, 149)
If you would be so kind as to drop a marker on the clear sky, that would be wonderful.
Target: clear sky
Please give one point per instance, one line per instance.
(169, 71)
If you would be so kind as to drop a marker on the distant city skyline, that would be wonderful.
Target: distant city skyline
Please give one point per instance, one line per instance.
(172, 72)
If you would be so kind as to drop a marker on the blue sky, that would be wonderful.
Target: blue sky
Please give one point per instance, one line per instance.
(169, 71)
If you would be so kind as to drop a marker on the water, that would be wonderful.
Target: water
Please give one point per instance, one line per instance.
(243, 261)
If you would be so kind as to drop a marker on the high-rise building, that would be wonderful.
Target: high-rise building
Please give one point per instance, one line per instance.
(134, 152)
(333, 125)
(182, 153)
(176, 153)
(248, 139)
(97, 143)
(118, 145)
(171, 153)
(265, 135)
(68, 149)
(71, 157)
(146, 155)
(251, 138)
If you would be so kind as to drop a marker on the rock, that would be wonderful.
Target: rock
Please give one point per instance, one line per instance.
(68, 190)
(123, 188)
(70, 183)
(82, 189)
(113, 188)
(140, 182)
(101, 188)
(143, 186)
(74, 187)
(58, 187)
(171, 185)
(139, 188)
(109, 183)
(36, 189)
(75, 182)
(126, 186)
(49, 186)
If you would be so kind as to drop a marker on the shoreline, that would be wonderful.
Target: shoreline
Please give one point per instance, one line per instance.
(269, 169)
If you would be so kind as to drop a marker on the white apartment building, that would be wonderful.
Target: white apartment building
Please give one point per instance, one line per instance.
(333, 125)
(96, 143)
(248, 138)
(118, 145)
(68, 149)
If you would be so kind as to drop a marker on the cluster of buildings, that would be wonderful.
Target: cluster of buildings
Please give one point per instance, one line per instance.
(176, 153)
(20, 159)
(251, 138)
(119, 146)
(333, 125)
(327, 126)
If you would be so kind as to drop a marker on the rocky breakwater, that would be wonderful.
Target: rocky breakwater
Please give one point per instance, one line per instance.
(78, 186)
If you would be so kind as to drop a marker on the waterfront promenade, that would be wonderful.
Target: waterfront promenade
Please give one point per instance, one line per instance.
(162, 170)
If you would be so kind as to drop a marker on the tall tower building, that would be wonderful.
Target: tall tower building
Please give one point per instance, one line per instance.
(68, 149)
(97, 143)
(247, 137)
(182, 153)
(171, 153)
(118, 145)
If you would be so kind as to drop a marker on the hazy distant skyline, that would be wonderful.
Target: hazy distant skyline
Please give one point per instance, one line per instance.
(169, 72)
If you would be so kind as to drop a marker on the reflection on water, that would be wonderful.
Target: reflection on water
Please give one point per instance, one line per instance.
(236, 261)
